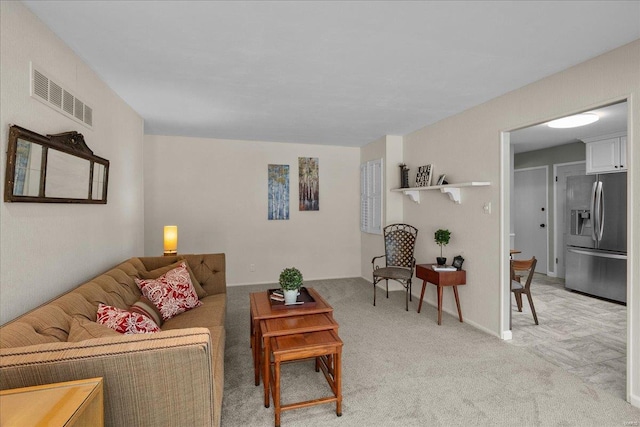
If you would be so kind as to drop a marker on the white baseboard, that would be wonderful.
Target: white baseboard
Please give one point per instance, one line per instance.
(507, 335)
(455, 315)
(275, 283)
(634, 400)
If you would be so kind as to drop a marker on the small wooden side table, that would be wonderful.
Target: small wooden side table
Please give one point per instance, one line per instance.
(441, 279)
(261, 310)
(289, 326)
(326, 348)
(72, 403)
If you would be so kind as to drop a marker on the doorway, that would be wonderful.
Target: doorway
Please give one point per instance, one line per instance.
(565, 331)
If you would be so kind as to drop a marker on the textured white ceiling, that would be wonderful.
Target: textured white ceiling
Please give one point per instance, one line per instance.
(613, 118)
(339, 73)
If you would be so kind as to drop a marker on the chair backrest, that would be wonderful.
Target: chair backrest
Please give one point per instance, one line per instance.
(399, 244)
(528, 266)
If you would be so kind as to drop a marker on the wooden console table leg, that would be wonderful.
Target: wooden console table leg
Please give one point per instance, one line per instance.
(337, 376)
(424, 286)
(276, 391)
(439, 305)
(256, 351)
(455, 292)
(266, 365)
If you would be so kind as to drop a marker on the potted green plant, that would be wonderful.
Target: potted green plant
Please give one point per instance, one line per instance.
(442, 237)
(290, 282)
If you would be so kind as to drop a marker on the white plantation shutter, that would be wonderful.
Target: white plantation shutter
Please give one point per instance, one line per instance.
(371, 197)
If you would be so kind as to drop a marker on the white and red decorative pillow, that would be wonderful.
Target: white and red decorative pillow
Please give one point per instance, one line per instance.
(172, 293)
(124, 321)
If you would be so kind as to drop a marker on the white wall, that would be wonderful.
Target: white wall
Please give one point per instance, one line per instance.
(389, 149)
(46, 249)
(215, 191)
(468, 147)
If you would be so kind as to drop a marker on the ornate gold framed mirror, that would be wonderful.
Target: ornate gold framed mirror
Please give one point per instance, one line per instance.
(53, 169)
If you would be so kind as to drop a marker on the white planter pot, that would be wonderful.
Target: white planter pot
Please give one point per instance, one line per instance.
(290, 296)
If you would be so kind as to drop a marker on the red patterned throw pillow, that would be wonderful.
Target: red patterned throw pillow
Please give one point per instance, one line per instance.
(124, 321)
(172, 293)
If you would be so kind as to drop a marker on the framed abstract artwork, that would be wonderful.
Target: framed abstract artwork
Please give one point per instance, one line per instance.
(278, 189)
(308, 184)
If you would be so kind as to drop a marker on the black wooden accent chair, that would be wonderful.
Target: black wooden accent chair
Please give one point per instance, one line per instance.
(399, 244)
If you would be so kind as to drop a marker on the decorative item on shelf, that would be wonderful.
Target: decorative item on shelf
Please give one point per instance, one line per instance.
(423, 178)
(404, 176)
(441, 180)
(457, 262)
(290, 282)
(170, 240)
(442, 237)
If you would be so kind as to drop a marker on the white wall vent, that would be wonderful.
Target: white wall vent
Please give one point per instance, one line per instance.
(60, 99)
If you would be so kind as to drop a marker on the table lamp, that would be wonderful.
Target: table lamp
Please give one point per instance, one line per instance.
(170, 240)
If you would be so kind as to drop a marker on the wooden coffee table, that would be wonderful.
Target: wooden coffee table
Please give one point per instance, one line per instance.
(261, 310)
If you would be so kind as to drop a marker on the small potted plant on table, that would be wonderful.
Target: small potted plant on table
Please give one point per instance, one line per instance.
(442, 238)
(290, 282)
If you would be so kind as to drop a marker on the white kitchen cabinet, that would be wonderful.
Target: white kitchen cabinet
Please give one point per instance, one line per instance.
(606, 154)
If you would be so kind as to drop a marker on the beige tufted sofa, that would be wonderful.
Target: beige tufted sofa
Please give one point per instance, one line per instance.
(171, 378)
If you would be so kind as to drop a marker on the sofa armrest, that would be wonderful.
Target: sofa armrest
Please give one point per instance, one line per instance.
(149, 380)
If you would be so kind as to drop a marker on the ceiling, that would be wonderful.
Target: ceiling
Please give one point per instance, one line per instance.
(337, 73)
(612, 119)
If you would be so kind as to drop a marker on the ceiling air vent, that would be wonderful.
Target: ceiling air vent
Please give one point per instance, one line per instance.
(79, 109)
(40, 85)
(88, 115)
(57, 97)
(67, 102)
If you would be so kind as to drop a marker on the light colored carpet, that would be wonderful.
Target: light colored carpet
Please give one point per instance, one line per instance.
(402, 369)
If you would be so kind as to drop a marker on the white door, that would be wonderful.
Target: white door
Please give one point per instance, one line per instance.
(530, 216)
(562, 171)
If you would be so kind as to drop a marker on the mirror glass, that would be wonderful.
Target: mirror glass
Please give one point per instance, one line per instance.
(57, 168)
(98, 181)
(67, 176)
(28, 168)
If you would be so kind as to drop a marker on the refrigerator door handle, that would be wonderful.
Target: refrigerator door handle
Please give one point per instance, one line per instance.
(594, 216)
(597, 253)
(600, 203)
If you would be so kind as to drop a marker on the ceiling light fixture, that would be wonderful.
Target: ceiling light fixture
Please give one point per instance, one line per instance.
(573, 121)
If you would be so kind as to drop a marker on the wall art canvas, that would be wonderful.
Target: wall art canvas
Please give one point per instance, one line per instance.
(309, 183)
(278, 192)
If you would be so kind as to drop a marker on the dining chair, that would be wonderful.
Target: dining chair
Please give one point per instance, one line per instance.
(399, 244)
(520, 269)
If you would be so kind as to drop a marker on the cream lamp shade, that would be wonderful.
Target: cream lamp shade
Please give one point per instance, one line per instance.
(170, 239)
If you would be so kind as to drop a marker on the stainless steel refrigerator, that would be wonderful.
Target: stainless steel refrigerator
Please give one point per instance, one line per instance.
(596, 243)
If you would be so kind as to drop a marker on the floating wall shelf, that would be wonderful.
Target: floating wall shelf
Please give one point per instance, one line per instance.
(453, 190)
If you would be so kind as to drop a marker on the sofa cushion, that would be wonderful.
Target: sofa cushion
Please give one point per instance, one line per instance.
(173, 293)
(146, 308)
(124, 321)
(210, 314)
(154, 274)
(82, 329)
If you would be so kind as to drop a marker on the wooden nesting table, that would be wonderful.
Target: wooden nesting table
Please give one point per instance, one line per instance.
(290, 334)
(261, 310)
